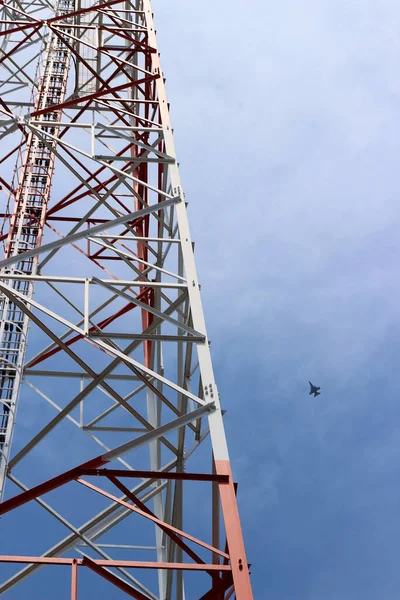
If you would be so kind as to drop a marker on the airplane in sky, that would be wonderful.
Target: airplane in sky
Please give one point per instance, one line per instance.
(314, 390)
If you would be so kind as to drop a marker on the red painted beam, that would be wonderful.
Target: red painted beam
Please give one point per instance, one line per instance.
(20, 28)
(155, 475)
(93, 96)
(116, 581)
(127, 564)
(21, 43)
(74, 580)
(217, 591)
(81, 11)
(47, 486)
(35, 492)
(234, 536)
(147, 513)
(166, 529)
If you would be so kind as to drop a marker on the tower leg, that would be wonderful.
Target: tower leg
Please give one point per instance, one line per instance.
(234, 536)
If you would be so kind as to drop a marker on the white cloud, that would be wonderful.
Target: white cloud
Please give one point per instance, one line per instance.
(286, 117)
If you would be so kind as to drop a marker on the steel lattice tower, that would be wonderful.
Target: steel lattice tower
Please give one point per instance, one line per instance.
(123, 446)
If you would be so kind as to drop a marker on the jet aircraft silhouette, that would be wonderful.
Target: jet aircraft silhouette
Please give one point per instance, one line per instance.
(314, 390)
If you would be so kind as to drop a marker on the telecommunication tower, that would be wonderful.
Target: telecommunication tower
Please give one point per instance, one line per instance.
(119, 459)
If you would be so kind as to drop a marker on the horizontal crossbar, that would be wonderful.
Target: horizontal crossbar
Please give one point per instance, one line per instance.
(155, 475)
(127, 564)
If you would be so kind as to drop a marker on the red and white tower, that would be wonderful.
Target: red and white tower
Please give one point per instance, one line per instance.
(119, 469)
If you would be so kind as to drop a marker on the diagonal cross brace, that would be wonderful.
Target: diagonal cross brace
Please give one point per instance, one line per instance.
(103, 459)
(69, 239)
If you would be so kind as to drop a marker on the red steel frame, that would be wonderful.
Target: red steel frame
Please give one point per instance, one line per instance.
(236, 573)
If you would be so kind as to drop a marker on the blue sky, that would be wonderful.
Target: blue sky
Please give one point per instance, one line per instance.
(286, 118)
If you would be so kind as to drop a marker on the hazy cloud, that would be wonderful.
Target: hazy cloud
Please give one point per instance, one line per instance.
(286, 118)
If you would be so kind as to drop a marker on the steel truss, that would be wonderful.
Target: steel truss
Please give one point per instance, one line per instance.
(99, 264)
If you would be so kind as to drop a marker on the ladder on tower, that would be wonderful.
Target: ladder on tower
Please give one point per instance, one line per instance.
(26, 227)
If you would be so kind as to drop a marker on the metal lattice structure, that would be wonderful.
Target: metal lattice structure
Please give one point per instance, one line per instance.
(99, 266)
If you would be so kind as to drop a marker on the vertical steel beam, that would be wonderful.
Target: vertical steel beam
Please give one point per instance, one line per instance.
(74, 580)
